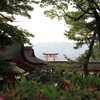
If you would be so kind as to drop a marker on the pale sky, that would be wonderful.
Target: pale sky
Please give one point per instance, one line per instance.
(44, 28)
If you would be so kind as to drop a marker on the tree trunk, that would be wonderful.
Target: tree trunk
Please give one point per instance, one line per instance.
(97, 18)
(97, 31)
(85, 65)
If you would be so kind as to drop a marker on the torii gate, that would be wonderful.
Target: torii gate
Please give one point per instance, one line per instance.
(52, 55)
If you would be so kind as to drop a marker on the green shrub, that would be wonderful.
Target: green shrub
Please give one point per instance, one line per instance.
(59, 86)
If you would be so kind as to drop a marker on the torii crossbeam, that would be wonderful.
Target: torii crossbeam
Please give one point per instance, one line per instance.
(50, 55)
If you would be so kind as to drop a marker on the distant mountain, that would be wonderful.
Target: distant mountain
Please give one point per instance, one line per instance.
(61, 48)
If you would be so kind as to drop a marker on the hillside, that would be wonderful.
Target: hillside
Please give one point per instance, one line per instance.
(61, 48)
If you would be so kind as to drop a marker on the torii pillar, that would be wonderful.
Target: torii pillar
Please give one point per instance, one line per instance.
(52, 55)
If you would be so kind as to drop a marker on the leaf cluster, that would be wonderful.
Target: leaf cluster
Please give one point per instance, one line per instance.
(17, 7)
(8, 10)
(5, 68)
(75, 88)
(95, 56)
(10, 34)
(81, 30)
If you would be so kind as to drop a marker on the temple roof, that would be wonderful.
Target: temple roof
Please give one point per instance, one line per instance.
(28, 47)
(11, 52)
(30, 55)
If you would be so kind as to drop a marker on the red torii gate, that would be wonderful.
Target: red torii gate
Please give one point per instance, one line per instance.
(52, 55)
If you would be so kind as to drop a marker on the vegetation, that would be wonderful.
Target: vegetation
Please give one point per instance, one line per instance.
(9, 10)
(60, 86)
(9, 34)
(95, 54)
(83, 20)
(57, 83)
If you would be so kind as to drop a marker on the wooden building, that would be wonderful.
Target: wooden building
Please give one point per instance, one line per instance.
(25, 61)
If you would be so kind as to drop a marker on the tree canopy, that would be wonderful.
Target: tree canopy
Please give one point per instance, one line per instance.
(9, 9)
(84, 9)
(95, 54)
(84, 21)
(9, 34)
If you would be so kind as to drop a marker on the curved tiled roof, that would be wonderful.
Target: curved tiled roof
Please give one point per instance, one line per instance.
(11, 52)
(30, 55)
(27, 59)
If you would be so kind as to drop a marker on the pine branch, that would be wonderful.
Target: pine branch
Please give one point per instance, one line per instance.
(96, 5)
(9, 19)
(75, 19)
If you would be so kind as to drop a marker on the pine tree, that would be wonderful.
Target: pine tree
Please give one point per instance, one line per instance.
(84, 21)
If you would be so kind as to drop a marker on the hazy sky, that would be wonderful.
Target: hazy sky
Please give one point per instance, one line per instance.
(44, 28)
